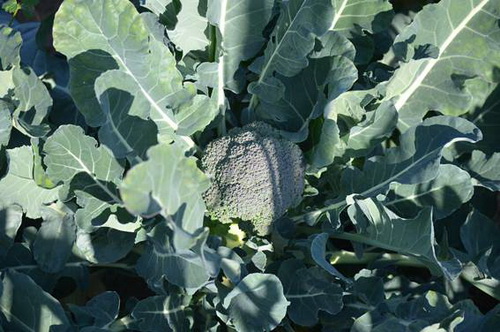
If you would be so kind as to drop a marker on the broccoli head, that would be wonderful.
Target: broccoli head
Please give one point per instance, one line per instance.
(256, 176)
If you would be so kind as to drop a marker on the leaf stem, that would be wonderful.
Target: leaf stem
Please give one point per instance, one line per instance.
(348, 257)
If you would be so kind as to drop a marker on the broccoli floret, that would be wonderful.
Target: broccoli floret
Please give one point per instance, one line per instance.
(256, 176)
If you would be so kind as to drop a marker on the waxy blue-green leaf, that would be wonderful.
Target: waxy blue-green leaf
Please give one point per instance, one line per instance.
(167, 183)
(163, 313)
(5, 124)
(485, 169)
(54, 239)
(415, 160)
(318, 254)
(10, 45)
(451, 188)
(380, 227)
(156, 6)
(189, 31)
(123, 134)
(293, 38)
(487, 118)
(19, 187)
(69, 152)
(303, 97)
(11, 219)
(240, 31)
(353, 16)
(140, 65)
(467, 36)
(260, 296)
(182, 267)
(377, 126)
(26, 307)
(34, 102)
(309, 292)
(100, 311)
(106, 245)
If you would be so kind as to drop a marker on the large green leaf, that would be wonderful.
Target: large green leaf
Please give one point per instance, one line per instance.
(27, 307)
(485, 170)
(5, 124)
(163, 313)
(19, 187)
(445, 193)
(167, 183)
(293, 38)
(257, 303)
(415, 160)
(309, 292)
(69, 152)
(378, 226)
(140, 65)
(240, 31)
(54, 239)
(303, 98)
(353, 16)
(10, 45)
(467, 37)
(11, 219)
(123, 134)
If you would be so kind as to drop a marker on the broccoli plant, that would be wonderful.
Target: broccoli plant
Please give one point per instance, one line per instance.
(250, 165)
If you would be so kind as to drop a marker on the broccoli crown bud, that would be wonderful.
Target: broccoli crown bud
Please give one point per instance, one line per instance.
(256, 176)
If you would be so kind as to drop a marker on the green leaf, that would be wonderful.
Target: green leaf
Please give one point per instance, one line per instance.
(309, 292)
(167, 183)
(123, 134)
(156, 6)
(11, 219)
(303, 98)
(54, 240)
(380, 227)
(11, 6)
(196, 115)
(179, 265)
(257, 303)
(467, 45)
(19, 187)
(318, 254)
(26, 307)
(135, 63)
(485, 170)
(5, 125)
(352, 16)
(415, 160)
(240, 32)
(100, 311)
(445, 193)
(69, 152)
(292, 40)
(106, 245)
(189, 31)
(487, 118)
(10, 46)
(377, 126)
(163, 313)
(35, 102)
